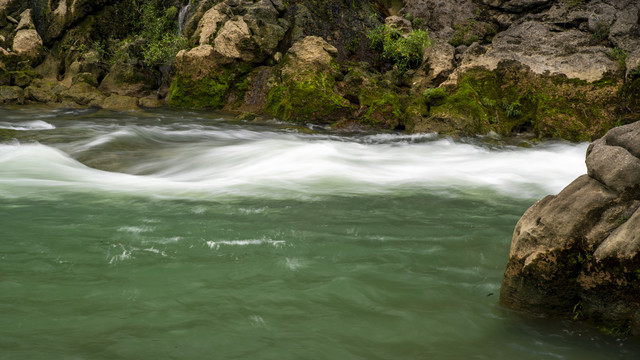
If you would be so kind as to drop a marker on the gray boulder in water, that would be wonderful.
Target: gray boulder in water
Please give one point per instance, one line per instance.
(577, 253)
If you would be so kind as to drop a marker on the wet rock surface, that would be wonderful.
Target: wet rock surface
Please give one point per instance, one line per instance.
(578, 253)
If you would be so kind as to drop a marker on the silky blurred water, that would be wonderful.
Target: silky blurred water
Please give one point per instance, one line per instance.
(183, 235)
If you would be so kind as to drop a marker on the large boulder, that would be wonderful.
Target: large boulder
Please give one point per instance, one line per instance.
(578, 253)
(28, 43)
(312, 54)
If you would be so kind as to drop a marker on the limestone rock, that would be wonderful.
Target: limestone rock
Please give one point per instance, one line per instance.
(399, 23)
(266, 28)
(196, 62)
(516, 6)
(210, 23)
(151, 102)
(22, 78)
(83, 94)
(85, 77)
(232, 40)
(43, 91)
(440, 57)
(310, 54)
(120, 103)
(613, 166)
(11, 95)
(26, 21)
(543, 50)
(583, 245)
(442, 15)
(27, 42)
(67, 13)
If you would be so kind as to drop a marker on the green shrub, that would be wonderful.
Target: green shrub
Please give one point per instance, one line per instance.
(405, 52)
(158, 29)
(163, 51)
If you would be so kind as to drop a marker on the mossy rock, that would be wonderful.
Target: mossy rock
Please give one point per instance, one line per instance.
(312, 99)
(208, 92)
(117, 102)
(512, 100)
(11, 95)
(85, 77)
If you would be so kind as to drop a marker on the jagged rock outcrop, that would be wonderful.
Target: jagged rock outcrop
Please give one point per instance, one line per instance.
(578, 253)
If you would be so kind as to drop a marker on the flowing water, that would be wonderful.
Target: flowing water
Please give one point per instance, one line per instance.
(185, 235)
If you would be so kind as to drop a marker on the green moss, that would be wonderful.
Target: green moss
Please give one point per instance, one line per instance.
(463, 34)
(510, 100)
(618, 55)
(434, 96)
(313, 99)
(384, 107)
(208, 92)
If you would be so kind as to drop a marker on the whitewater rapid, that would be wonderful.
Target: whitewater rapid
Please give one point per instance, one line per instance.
(195, 161)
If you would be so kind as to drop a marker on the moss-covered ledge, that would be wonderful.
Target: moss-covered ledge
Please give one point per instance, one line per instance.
(512, 100)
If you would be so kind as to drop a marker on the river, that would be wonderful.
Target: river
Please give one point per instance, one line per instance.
(187, 235)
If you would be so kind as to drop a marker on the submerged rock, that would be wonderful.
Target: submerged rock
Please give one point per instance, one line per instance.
(578, 253)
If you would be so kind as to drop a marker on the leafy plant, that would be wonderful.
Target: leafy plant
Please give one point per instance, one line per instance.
(618, 55)
(158, 29)
(511, 109)
(418, 23)
(461, 36)
(601, 33)
(577, 311)
(405, 52)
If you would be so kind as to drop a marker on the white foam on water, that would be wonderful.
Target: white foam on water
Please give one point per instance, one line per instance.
(294, 264)
(27, 125)
(135, 229)
(287, 165)
(264, 241)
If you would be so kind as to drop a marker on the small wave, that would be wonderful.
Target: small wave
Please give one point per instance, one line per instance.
(135, 229)
(265, 241)
(28, 125)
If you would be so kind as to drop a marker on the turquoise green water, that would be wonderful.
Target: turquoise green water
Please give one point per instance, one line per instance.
(186, 236)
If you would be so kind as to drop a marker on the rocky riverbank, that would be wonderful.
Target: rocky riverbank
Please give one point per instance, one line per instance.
(577, 254)
(551, 68)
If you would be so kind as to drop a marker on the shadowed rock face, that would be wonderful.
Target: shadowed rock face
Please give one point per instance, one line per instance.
(577, 253)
